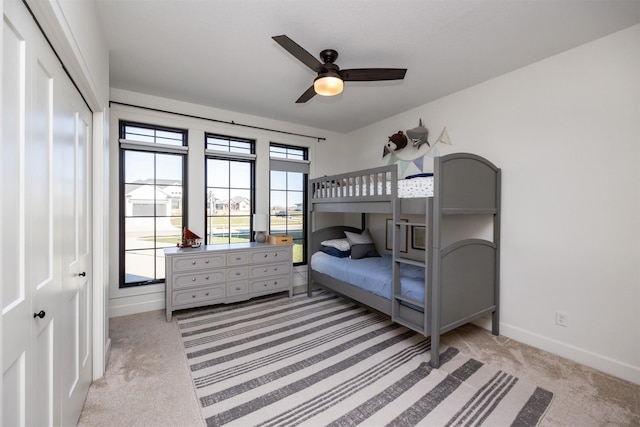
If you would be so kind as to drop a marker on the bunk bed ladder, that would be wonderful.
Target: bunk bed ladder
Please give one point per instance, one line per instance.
(401, 228)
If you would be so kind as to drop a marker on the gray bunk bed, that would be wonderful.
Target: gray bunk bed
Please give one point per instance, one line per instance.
(461, 279)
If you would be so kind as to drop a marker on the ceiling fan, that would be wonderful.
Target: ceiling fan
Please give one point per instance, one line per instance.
(330, 80)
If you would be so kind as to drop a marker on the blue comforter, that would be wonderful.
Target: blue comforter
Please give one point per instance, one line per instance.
(372, 274)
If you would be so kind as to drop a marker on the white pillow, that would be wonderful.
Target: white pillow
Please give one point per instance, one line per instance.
(340, 244)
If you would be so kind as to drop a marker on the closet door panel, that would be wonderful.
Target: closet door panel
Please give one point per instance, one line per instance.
(42, 259)
(45, 396)
(13, 392)
(73, 139)
(16, 298)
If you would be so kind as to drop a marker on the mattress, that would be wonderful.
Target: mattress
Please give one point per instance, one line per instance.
(407, 188)
(372, 274)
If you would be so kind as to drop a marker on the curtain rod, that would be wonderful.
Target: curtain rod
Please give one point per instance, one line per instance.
(55, 52)
(319, 138)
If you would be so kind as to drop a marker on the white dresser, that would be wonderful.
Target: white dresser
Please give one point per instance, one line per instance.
(215, 274)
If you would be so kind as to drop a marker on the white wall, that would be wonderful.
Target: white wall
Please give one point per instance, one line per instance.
(566, 133)
(135, 300)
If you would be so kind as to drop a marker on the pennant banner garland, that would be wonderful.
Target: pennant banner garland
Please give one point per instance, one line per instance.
(403, 166)
(419, 162)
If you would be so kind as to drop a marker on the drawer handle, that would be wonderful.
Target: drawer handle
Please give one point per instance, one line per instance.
(206, 277)
(276, 254)
(275, 283)
(275, 269)
(193, 296)
(206, 261)
(206, 294)
(237, 289)
(265, 285)
(237, 273)
(193, 262)
(265, 269)
(266, 255)
(193, 279)
(238, 258)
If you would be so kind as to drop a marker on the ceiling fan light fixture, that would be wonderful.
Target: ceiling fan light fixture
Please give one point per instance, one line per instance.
(328, 85)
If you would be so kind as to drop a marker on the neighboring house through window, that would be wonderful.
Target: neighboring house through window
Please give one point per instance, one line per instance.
(152, 199)
(289, 168)
(230, 183)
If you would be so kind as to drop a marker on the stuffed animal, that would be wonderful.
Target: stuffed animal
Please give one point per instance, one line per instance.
(419, 135)
(396, 142)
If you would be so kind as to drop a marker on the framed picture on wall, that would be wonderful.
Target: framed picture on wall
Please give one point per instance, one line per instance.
(418, 237)
(404, 237)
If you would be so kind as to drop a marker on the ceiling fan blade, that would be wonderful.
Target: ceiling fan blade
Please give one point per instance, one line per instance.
(307, 95)
(372, 74)
(298, 52)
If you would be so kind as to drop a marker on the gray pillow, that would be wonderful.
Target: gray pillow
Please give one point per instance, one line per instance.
(362, 245)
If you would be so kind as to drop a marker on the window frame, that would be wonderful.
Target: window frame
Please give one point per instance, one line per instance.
(126, 145)
(231, 156)
(296, 165)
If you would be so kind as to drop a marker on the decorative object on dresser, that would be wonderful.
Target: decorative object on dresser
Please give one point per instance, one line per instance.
(279, 239)
(190, 239)
(215, 274)
(260, 225)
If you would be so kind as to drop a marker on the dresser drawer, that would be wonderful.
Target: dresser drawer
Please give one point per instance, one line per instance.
(237, 273)
(184, 263)
(223, 274)
(198, 279)
(270, 255)
(237, 258)
(270, 284)
(198, 295)
(237, 288)
(269, 270)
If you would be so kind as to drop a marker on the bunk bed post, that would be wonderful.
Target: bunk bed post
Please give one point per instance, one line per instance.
(436, 257)
(428, 262)
(309, 224)
(395, 264)
(495, 316)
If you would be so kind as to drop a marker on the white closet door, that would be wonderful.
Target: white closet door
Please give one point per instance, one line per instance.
(45, 225)
(16, 293)
(72, 136)
(30, 309)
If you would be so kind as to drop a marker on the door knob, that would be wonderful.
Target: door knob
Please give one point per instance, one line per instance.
(41, 314)
(82, 274)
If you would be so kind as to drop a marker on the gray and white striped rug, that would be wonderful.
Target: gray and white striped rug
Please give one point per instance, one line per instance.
(327, 361)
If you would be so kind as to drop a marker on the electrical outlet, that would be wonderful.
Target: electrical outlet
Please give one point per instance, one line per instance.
(562, 319)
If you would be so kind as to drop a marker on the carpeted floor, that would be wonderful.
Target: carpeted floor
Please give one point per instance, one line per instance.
(327, 360)
(147, 382)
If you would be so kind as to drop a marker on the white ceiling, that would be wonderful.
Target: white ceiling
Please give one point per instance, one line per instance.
(220, 53)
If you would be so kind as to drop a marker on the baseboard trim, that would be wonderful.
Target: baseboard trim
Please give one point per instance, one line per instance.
(577, 354)
(141, 303)
(132, 305)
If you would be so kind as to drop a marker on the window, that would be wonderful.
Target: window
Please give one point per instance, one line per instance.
(152, 199)
(230, 182)
(288, 189)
